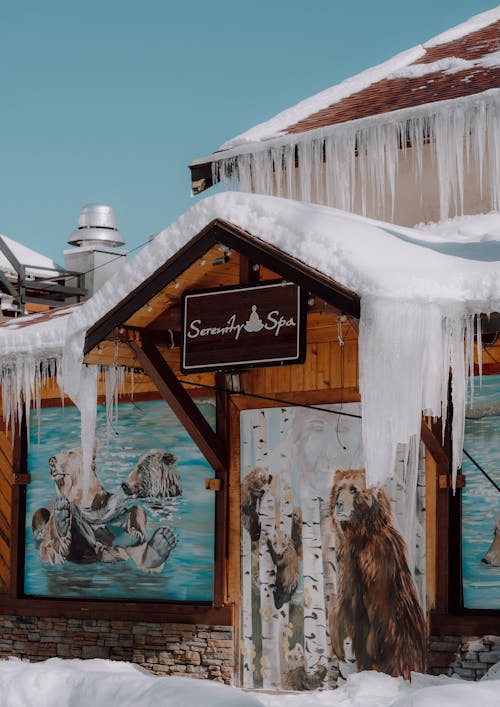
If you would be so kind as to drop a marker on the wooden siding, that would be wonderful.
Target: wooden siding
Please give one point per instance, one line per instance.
(6, 484)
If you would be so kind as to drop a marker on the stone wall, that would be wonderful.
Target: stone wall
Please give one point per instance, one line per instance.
(166, 649)
(468, 658)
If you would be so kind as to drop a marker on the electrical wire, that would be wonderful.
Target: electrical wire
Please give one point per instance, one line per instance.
(485, 473)
(294, 403)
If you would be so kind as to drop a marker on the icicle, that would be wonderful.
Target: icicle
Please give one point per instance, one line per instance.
(355, 163)
(479, 348)
(114, 377)
(412, 364)
(88, 414)
(22, 381)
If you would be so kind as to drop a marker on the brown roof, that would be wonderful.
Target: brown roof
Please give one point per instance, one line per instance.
(406, 92)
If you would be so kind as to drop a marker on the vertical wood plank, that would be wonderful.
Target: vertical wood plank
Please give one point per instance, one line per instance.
(336, 364)
(323, 366)
(310, 367)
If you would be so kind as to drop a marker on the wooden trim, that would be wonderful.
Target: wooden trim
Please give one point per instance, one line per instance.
(217, 612)
(119, 610)
(477, 624)
(435, 448)
(221, 501)
(248, 275)
(18, 510)
(181, 403)
(306, 398)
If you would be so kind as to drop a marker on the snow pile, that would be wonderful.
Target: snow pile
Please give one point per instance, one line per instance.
(419, 293)
(101, 683)
(449, 65)
(41, 266)
(466, 229)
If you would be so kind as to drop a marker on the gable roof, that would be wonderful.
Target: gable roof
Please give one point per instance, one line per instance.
(458, 63)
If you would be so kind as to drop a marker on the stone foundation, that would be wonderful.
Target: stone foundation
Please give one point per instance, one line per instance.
(165, 649)
(466, 657)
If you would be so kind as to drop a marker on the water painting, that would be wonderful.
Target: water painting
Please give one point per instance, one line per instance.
(481, 500)
(139, 527)
(327, 563)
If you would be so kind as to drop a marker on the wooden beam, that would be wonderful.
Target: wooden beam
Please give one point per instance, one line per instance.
(347, 301)
(155, 366)
(435, 448)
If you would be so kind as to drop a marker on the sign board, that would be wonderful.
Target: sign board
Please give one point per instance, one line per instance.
(233, 328)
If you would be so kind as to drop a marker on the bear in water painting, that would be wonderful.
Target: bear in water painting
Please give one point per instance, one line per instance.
(137, 525)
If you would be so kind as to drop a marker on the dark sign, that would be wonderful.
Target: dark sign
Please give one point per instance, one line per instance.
(240, 327)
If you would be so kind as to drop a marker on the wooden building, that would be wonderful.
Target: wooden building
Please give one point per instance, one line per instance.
(238, 577)
(294, 512)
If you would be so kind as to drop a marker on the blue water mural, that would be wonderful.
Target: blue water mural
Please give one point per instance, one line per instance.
(140, 427)
(480, 499)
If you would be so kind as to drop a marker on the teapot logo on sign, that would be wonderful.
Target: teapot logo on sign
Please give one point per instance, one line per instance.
(212, 340)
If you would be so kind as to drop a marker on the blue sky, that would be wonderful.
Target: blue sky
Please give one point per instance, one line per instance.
(109, 100)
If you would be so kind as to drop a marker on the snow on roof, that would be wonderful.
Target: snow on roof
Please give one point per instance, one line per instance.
(399, 83)
(41, 265)
(419, 294)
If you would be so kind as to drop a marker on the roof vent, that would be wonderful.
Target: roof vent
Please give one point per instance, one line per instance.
(97, 226)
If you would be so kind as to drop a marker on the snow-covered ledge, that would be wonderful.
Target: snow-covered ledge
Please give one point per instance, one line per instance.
(420, 293)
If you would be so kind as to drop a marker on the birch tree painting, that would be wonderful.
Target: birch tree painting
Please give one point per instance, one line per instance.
(288, 545)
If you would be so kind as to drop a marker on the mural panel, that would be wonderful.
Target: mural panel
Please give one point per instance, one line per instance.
(328, 566)
(140, 527)
(481, 500)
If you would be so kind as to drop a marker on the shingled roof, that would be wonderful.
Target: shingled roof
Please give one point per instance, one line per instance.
(460, 62)
(436, 76)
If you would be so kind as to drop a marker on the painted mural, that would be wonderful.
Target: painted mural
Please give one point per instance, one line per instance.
(481, 500)
(140, 527)
(332, 572)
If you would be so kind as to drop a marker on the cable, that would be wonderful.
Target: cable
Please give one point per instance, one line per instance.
(313, 407)
(482, 470)
(271, 399)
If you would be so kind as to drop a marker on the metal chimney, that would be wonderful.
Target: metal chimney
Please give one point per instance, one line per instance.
(97, 254)
(97, 226)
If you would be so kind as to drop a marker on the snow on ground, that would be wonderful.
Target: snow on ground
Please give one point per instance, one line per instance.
(103, 683)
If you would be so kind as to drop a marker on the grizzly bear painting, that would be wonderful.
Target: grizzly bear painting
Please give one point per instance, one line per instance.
(377, 604)
(332, 572)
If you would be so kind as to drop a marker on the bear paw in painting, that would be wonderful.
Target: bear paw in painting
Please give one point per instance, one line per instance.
(62, 515)
(151, 556)
(135, 524)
